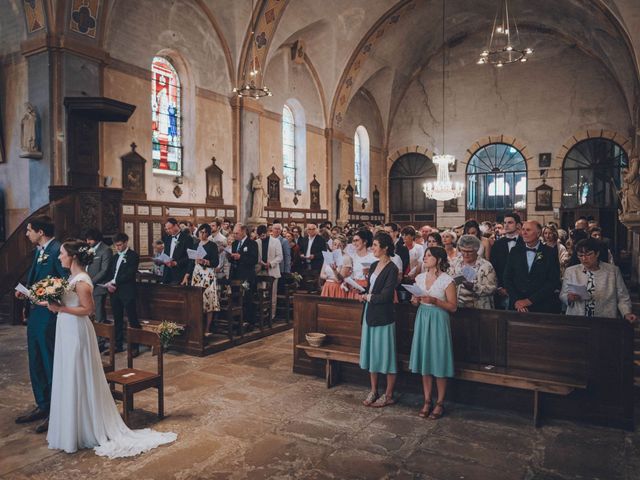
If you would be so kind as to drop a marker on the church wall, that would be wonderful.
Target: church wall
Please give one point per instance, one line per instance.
(542, 104)
(206, 121)
(14, 174)
(363, 112)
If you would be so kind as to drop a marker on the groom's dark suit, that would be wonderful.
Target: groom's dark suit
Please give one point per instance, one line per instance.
(41, 326)
(538, 284)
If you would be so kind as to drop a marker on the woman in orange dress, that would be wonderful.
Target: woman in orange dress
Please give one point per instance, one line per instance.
(333, 274)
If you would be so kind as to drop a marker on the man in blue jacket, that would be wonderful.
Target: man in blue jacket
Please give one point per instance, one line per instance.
(41, 325)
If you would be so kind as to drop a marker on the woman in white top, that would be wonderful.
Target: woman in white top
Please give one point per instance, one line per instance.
(471, 227)
(334, 273)
(449, 238)
(83, 413)
(361, 258)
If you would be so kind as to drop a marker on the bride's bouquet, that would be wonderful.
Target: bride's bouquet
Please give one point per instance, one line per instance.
(49, 290)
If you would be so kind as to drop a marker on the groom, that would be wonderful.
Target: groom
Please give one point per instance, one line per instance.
(41, 326)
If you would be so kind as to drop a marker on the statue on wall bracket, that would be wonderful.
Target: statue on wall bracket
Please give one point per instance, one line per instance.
(630, 193)
(349, 190)
(343, 206)
(133, 175)
(376, 200)
(257, 207)
(30, 133)
(213, 175)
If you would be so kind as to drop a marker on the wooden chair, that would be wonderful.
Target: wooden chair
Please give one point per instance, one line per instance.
(311, 281)
(263, 300)
(133, 380)
(231, 303)
(107, 331)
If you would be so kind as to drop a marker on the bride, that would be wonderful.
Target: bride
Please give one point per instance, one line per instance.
(83, 413)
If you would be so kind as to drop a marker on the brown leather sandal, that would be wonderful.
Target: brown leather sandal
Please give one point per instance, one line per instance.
(426, 408)
(437, 416)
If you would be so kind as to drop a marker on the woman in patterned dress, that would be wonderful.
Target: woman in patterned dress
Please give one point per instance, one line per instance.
(203, 274)
(431, 348)
(480, 282)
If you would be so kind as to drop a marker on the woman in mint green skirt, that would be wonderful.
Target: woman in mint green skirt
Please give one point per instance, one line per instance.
(431, 349)
(378, 339)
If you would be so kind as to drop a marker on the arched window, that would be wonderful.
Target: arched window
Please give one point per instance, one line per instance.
(497, 179)
(294, 145)
(361, 162)
(591, 174)
(166, 118)
(288, 148)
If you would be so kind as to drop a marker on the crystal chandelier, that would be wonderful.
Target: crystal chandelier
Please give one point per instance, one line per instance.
(504, 42)
(252, 88)
(443, 188)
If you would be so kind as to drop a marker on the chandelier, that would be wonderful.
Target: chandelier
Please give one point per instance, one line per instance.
(443, 188)
(504, 42)
(253, 88)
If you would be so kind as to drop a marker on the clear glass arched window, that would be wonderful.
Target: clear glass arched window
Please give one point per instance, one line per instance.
(288, 148)
(497, 178)
(361, 162)
(166, 118)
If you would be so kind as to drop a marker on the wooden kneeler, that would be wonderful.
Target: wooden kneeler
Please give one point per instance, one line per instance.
(132, 380)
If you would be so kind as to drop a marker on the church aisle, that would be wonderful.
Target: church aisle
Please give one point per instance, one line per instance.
(242, 414)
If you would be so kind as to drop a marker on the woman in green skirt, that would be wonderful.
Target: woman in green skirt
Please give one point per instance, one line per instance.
(431, 349)
(378, 340)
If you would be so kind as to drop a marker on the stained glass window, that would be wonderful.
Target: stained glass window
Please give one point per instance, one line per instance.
(288, 148)
(497, 179)
(166, 118)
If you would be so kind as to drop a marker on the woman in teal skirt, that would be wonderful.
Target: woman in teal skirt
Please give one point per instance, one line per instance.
(378, 339)
(431, 349)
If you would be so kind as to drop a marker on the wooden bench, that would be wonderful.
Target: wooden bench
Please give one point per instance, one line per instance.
(575, 367)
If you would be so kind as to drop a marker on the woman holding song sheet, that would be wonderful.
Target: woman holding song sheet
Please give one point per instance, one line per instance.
(475, 277)
(202, 265)
(337, 266)
(362, 259)
(431, 348)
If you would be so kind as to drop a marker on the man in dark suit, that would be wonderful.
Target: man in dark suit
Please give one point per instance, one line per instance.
(311, 248)
(175, 246)
(500, 251)
(122, 288)
(244, 258)
(98, 270)
(41, 325)
(532, 273)
(399, 247)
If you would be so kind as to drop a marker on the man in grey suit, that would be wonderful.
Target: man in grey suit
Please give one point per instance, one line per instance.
(98, 271)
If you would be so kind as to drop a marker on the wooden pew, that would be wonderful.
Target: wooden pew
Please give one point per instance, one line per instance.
(573, 367)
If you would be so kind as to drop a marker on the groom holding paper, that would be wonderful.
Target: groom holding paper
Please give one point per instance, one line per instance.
(41, 326)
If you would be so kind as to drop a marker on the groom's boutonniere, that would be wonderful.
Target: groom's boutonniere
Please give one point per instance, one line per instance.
(539, 256)
(43, 257)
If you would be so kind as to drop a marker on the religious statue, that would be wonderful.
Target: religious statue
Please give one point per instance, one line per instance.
(630, 191)
(29, 133)
(343, 212)
(259, 196)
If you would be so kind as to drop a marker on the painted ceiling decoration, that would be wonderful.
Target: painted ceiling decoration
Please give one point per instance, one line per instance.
(34, 15)
(84, 17)
(364, 51)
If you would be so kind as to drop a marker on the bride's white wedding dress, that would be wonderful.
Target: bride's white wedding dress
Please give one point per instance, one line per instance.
(83, 413)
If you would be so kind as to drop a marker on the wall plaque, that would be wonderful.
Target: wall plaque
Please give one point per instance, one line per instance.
(130, 231)
(199, 212)
(143, 209)
(128, 210)
(156, 229)
(144, 239)
(179, 212)
(156, 211)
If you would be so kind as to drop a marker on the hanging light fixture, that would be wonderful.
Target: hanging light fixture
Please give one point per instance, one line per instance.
(504, 42)
(443, 188)
(253, 88)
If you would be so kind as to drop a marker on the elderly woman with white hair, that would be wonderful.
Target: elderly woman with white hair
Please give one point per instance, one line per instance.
(475, 276)
(449, 238)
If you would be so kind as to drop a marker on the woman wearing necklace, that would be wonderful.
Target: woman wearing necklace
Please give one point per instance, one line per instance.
(378, 340)
(431, 348)
(595, 288)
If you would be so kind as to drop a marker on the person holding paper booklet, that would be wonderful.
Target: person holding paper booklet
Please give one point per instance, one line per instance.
(337, 266)
(202, 273)
(361, 259)
(474, 276)
(595, 288)
(378, 339)
(431, 348)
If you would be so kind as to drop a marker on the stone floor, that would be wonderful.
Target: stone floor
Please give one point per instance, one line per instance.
(242, 414)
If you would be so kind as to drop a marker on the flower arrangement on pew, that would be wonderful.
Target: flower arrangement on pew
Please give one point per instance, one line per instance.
(168, 330)
(297, 278)
(49, 290)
